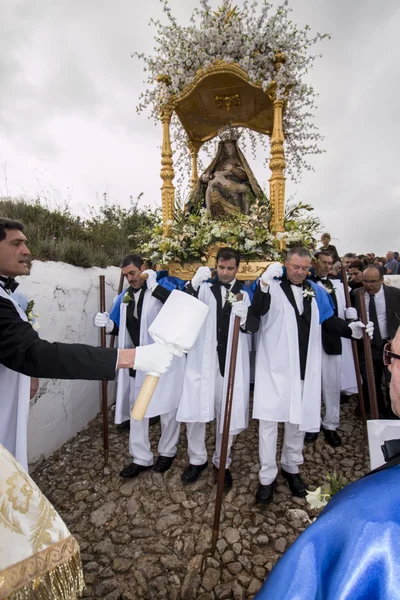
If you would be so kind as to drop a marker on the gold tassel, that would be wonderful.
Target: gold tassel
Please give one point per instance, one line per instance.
(64, 582)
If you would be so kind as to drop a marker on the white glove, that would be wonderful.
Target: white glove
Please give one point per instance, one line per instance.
(274, 270)
(351, 314)
(202, 274)
(239, 309)
(151, 279)
(357, 328)
(103, 320)
(154, 357)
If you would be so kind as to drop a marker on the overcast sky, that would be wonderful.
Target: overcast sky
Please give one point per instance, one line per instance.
(69, 129)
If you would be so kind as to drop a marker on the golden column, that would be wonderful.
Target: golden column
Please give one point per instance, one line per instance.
(167, 170)
(194, 148)
(277, 162)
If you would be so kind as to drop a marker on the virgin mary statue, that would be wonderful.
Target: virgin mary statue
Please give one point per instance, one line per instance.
(228, 185)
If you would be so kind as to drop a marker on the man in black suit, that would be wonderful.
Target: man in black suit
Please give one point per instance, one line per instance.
(23, 354)
(383, 308)
(331, 353)
(207, 364)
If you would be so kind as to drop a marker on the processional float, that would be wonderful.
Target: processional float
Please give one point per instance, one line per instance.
(222, 98)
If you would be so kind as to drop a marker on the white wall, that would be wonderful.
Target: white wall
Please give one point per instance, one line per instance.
(66, 300)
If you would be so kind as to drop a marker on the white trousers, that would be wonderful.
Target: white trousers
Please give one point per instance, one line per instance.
(292, 450)
(331, 383)
(139, 443)
(196, 433)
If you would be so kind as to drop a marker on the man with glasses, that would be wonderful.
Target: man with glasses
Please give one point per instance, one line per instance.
(288, 365)
(383, 308)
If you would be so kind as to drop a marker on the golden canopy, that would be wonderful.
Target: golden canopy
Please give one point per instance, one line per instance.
(218, 95)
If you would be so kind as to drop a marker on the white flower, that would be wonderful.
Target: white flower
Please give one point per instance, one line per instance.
(317, 499)
(328, 289)
(230, 297)
(308, 293)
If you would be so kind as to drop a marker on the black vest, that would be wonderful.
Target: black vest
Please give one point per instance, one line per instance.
(223, 318)
(303, 322)
(132, 322)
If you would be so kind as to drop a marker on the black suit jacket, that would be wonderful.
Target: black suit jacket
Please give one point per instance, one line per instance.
(392, 300)
(22, 350)
(223, 317)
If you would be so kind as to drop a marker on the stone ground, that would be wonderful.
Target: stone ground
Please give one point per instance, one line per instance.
(149, 537)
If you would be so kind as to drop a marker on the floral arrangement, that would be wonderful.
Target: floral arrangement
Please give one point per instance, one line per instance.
(251, 39)
(308, 294)
(191, 234)
(321, 496)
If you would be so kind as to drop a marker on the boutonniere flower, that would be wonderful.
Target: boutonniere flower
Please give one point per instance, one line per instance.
(31, 316)
(230, 297)
(328, 288)
(127, 298)
(308, 293)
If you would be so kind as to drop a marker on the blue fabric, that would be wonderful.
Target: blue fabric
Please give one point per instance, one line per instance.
(116, 309)
(351, 552)
(324, 302)
(169, 283)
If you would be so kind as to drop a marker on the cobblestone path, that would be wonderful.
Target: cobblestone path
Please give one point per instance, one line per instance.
(149, 537)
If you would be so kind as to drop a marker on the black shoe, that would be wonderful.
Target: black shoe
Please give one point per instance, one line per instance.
(296, 484)
(163, 463)
(344, 399)
(265, 493)
(310, 438)
(124, 425)
(228, 481)
(193, 472)
(332, 437)
(133, 470)
(154, 421)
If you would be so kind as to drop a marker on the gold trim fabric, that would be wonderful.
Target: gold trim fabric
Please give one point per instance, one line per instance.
(38, 556)
(52, 574)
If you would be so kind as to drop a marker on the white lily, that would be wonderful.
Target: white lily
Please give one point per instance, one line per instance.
(316, 499)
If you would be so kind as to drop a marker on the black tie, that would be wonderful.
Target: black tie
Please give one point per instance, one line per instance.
(9, 283)
(226, 285)
(377, 339)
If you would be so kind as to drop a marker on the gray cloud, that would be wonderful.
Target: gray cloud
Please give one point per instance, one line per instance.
(69, 127)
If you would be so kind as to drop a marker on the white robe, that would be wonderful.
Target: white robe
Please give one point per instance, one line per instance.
(278, 394)
(197, 403)
(168, 390)
(347, 369)
(14, 404)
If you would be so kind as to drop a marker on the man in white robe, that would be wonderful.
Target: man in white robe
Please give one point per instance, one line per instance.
(24, 355)
(132, 314)
(288, 365)
(332, 348)
(206, 377)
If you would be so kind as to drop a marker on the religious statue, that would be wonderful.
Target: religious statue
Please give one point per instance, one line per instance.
(228, 185)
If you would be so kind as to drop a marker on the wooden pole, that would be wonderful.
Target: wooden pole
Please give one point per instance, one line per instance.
(104, 383)
(355, 358)
(368, 361)
(121, 283)
(225, 433)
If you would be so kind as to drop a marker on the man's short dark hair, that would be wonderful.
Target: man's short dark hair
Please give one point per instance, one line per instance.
(299, 251)
(132, 259)
(357, 264)
(380, 270)
(323, 253)
(9, 225)
(350, 255)
(228, 254)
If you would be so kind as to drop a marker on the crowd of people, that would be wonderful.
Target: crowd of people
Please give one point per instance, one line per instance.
(296, 312)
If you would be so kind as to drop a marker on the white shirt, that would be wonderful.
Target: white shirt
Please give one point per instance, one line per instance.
(136, 296)
(380, 311)
(225, 289)
(298, 296)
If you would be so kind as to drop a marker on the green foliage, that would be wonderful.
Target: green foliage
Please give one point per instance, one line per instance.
(101, 240)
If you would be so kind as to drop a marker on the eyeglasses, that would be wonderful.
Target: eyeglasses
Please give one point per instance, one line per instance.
(388, 355)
